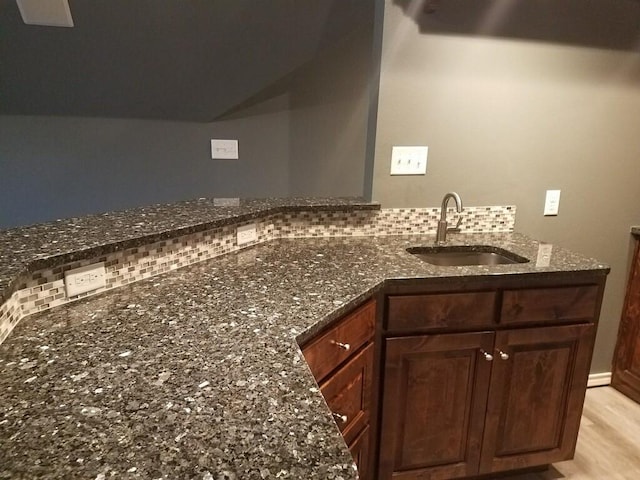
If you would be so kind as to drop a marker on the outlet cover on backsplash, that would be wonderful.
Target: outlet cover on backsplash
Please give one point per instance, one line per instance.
(85, 279)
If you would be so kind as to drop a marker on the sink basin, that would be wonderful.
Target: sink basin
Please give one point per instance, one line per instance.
(458, 256)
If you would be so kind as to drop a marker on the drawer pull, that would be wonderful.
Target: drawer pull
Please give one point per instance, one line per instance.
(503, 355)
(344, 346)
(340, 418)
(487, 356)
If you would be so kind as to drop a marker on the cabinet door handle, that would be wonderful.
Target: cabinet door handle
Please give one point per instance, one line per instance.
(503, 355)
(344, 346)
(487, 356)
(340, 418)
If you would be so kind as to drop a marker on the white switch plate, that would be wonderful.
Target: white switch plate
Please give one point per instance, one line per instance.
(52, 13)
(552, 202)
(246, 234)
(85, 279)
(406, 160)
(224, 149)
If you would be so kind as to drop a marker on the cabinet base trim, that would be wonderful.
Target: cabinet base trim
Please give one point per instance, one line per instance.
(599, 379)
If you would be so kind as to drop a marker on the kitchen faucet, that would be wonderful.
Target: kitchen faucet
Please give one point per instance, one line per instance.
(441, 235)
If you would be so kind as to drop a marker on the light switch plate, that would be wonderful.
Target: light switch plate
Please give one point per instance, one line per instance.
(408, 160)
(224, 149)
(52, 13)
(85, 279)
(552, 202)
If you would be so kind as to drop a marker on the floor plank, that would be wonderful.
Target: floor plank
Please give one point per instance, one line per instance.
(608, 443)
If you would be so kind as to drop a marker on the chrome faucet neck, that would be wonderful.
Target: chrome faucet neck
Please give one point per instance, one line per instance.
(441, 234)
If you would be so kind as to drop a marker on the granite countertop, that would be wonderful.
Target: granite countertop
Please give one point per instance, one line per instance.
(43, 245)
(198, 373)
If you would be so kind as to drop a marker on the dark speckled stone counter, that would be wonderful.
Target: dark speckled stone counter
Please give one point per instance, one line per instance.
(40, 246)
(198, 373)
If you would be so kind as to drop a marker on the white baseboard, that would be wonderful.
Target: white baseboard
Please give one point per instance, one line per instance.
(599, 379)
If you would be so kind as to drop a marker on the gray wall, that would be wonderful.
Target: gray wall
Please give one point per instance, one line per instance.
(329, 110)
(507, 118)
(304, 135)
(56, 167)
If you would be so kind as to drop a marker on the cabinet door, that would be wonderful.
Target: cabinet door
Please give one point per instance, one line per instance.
(626, 361)
(434, 397)
(538, 383)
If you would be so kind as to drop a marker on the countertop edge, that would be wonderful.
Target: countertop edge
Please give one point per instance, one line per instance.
(30, 265)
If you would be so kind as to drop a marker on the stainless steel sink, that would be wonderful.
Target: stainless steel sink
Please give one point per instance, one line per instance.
(458, 256)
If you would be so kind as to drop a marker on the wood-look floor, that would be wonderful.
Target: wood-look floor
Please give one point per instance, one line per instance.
(608, 444)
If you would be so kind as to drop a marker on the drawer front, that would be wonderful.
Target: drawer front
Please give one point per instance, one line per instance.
(348, 394)
(447, 310)
(328, 351)
(359, 449)
(559, 305)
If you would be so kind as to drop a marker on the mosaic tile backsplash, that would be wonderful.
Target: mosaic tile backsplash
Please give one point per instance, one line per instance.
(45, 289)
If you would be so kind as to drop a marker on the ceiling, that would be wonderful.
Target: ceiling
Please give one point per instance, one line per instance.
(164, 59)
(608, 24)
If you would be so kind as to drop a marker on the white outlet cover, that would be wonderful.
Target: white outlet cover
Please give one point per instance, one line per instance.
(224, 149)
(85, 279)
(543, 258)
(246, 234)
(226, 202)
(409, 160)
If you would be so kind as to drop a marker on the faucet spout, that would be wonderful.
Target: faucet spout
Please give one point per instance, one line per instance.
(441, 234)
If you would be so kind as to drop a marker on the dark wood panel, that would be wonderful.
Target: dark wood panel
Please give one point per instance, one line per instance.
(536, 395)
(448, 310)
(564, 304)
(359, 449)
(434, 397)
(626, 363)
(348, 394)
(326, 352)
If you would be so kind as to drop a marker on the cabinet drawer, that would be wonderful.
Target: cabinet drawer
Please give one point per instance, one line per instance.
(348, 394)
(447, 310)
(560, 304)
(325, 353)
(359, 449)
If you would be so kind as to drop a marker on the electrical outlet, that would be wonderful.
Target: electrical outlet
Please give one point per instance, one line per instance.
(85, 279)
(224, 149)
(552, 202)
(544, 255)
(246, 234)
(226, 202)
(409, 160)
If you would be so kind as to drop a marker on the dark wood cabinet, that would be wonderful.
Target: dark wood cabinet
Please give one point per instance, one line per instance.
(626, 360)
(434, 401)
(348, 394)
(506, 395)
(537, 388)
(341, 359)
(359, 449)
